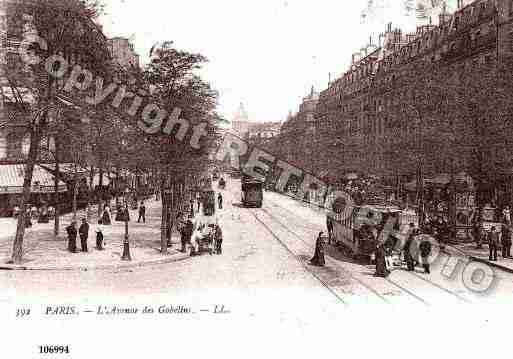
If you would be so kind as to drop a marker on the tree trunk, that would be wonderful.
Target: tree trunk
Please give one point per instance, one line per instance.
(56, 223)
(91, 194)
(163, 225)
(35, 140)
(100, 197)
(75, 192)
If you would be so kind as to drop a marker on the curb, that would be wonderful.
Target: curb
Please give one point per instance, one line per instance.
(175, 258)
(491, 264)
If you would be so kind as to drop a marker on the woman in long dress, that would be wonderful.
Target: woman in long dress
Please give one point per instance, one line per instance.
(106, 216)
(381, 264)
(318, 258)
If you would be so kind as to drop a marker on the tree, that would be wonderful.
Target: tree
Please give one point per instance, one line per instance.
(67, 28)
(172, 74)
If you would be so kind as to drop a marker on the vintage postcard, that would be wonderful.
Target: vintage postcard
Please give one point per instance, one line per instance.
(255, 178)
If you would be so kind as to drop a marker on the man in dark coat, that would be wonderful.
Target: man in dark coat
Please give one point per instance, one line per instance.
(188, 230)
(329, 226)
(84, 234)
(72, 237)
(142, 213)
(318, 258)
(425, 252)
(407, 250)
(493, 243)
(218, 239)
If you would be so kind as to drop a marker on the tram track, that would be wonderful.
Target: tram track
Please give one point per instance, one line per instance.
(418, 298)
(332, 262)
(323, 282)
(382, 298)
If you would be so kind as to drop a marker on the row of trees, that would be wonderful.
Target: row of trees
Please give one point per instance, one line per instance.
(102, 137)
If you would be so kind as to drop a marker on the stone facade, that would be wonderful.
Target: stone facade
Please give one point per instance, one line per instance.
(360, 120)
(296, 143)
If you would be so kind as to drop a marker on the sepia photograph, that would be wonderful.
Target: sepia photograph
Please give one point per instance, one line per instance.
(248, 179)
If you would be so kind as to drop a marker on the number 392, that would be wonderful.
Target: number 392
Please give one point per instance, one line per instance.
(53, 349)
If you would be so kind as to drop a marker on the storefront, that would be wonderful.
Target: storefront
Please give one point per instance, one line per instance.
(11, 188)
(437, 199)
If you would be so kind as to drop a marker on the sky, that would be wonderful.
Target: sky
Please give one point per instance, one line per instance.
(266, 54)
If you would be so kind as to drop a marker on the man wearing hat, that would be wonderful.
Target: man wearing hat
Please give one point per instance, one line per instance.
(84, 234)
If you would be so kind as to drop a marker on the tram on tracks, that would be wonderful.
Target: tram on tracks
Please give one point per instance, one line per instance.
(251, 192)
(351, 228)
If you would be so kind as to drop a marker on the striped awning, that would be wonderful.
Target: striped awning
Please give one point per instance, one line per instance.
(12, 177)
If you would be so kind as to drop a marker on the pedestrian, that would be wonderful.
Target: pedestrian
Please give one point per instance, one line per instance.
(318, 258)
(493, 244)
(329, 226)
(106, 218)
(180, 227)
(220, 200)
(142, 213)
(99, 238)
(507, 215)
(84, 234)
(425, 252)
(188, 231)
(218, 239)
(408, 254)
(381, 263)
(72, 237)
(199, 203)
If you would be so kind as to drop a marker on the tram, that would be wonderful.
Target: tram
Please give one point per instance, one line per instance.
(251, 192)
(351, 231)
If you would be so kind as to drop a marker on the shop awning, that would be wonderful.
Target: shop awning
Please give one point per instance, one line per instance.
(67, 170)
(12, 177)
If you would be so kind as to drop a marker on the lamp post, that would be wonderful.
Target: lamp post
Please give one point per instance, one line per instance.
(126, 244)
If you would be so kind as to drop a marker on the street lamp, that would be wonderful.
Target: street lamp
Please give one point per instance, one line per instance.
(126, 245)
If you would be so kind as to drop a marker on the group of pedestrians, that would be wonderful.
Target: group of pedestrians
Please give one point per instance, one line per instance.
(83, 234)
(496, 240)
(192, 234)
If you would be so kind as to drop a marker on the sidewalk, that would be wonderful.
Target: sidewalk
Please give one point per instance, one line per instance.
(44, 252)
(482, 255)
